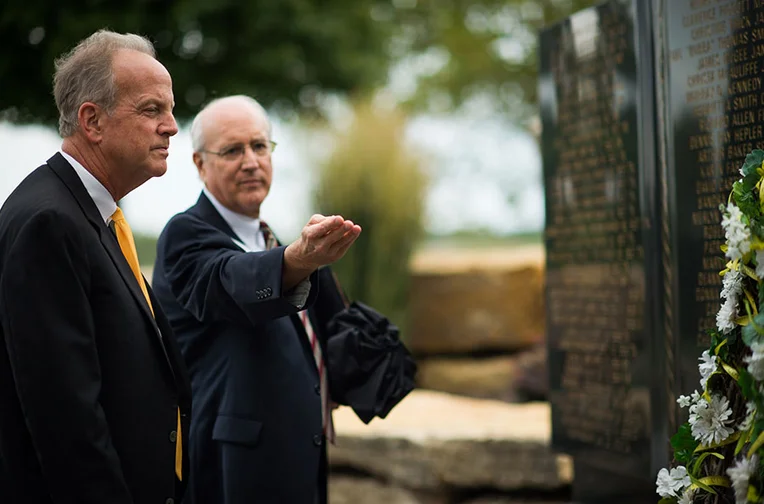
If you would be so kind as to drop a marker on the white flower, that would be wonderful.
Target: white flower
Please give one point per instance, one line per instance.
(686, 497)
(725, 319)
(750, 413)
(732, 216)
(739, 474)
(737, 233)
(732, 284)
(671, 484)
(755, 361)
(663, 484)
(706, 367)
(709, 421)
(685, 401)
(759, 263)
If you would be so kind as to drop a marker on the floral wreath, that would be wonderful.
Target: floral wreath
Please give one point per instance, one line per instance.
(717, 452)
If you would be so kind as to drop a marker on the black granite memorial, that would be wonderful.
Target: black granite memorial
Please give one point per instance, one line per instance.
(648, 110)
(597, 106)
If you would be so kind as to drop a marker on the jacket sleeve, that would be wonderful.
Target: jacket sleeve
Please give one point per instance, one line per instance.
(51, 342)
(214, 280)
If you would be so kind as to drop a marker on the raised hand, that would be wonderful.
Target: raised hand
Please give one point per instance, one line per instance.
(322, 241)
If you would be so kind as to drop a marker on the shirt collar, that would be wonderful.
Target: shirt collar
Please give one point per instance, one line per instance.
(100, 195)
(246, 228)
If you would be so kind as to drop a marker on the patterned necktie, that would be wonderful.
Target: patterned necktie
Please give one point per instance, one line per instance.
(127, 245)
(326, 412)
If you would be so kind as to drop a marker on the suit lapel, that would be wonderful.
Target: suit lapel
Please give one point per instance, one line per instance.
(304, 341)
(172, 353)
(69, 177)
(112, 247)
(209, 214)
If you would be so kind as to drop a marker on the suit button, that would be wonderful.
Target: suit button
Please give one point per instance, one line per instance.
(173, 436)
(317, 389)
(170, 501)
(317, 440)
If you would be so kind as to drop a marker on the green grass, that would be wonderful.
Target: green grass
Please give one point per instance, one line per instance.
(146, 245)
(481, 238)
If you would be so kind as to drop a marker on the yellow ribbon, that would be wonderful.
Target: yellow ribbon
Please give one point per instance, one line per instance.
(709, 481)
(730, 371)
(756, 445)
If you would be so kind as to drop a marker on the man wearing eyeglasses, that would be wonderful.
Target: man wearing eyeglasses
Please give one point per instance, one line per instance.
(238, 301)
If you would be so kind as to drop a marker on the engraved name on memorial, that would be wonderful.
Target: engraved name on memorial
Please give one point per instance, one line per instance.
(715, 57)
(596, 279)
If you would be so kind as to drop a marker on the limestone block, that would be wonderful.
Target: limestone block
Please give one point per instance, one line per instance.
(515, 500)
(515, 378)
(491, 378)
(482, 305)
(353, 490)
(433, 440)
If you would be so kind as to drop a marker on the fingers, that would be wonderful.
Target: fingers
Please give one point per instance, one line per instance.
(325, 239)
(336, 234)
(318, 225)
(315, 219)
(342, 245)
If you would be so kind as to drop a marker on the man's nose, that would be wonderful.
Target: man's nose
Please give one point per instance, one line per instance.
(250, 159)
(168, 127)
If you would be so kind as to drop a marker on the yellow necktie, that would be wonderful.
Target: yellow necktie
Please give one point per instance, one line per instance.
(127, 244)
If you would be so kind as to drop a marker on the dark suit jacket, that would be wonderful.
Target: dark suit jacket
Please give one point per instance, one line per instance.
(256, 433)
(88, 390)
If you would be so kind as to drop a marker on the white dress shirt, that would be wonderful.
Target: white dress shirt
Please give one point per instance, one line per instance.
(100, 195)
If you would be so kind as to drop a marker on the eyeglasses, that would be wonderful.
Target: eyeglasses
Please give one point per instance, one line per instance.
(236, 152)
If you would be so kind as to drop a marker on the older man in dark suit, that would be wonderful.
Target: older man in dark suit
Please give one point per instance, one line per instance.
(94, 397)
(237, 301)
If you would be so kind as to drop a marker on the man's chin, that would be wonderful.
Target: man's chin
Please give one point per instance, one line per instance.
(159, 170)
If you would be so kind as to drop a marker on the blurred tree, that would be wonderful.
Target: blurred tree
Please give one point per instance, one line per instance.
(283, 52)
(373, 178)
(459, 51)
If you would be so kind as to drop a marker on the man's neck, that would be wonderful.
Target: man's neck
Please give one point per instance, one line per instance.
(92, 161)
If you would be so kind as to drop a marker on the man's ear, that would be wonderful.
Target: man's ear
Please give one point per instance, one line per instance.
(199, 162)
(90, 118)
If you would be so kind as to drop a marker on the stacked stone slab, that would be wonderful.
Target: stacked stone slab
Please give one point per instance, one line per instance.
(477, 321)
(440, 448)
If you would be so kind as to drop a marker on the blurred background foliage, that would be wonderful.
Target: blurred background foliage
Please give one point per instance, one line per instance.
(292, 54)
(298, 57)
(282, 52)
(373, 177)
(463, 51)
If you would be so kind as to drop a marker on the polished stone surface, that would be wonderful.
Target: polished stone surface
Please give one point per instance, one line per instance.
(648, 110)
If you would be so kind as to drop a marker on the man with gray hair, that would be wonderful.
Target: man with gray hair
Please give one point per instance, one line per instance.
(94, 395)
(238, 302)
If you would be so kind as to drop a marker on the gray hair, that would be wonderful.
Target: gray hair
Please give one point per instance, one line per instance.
(197, 126)
(85, 74)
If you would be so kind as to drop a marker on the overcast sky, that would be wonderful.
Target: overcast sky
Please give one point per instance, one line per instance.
(475, 165)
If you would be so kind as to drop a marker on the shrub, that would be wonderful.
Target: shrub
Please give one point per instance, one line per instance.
(375, 179)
